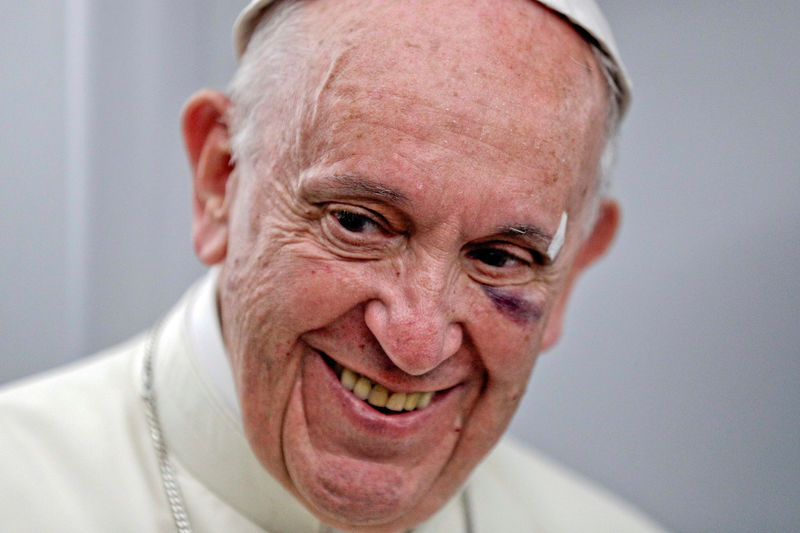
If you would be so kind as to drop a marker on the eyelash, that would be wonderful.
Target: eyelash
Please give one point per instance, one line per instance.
(342, 214)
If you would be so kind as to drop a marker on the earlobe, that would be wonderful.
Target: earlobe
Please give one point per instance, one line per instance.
(207, 141)
(596, 244)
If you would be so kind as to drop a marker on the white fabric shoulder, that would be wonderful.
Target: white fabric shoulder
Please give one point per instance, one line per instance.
(74, 452)
(76, 455)
(522, 490)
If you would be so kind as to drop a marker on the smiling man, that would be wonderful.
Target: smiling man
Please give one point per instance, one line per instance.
(398, 197)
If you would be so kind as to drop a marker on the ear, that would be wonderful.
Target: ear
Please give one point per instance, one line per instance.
(593, 248)
(207, 141)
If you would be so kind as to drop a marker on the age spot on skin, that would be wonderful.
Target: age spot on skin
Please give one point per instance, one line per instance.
(515, 308)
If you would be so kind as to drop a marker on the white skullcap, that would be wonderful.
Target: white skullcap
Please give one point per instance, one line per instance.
(584, 14)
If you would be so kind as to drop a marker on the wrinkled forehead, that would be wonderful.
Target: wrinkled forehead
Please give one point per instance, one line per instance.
(516, 44)
(511, 73)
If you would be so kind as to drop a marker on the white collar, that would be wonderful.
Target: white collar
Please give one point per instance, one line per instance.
(205, 334)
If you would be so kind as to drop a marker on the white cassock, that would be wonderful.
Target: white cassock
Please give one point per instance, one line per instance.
(76, 453)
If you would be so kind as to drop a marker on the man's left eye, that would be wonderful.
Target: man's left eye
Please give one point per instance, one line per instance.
(499, 263)
(495, 257)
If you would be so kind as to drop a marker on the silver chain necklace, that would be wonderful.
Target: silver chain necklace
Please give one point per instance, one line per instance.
(171, 487)
(174, 497)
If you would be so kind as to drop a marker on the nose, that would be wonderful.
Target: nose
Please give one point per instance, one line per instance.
(413, 320)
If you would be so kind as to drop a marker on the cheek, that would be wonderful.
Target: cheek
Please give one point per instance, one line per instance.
(303, 293)
(509, 336)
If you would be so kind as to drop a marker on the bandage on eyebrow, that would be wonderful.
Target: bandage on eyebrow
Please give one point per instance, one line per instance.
(558, 238)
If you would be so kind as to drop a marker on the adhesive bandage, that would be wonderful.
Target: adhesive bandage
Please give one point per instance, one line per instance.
(558, 238)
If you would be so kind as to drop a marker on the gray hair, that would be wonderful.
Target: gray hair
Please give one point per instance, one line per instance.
(611, 74)
(274, 44)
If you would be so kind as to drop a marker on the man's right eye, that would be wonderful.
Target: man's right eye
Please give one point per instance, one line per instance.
(355, 229)
(355, 222)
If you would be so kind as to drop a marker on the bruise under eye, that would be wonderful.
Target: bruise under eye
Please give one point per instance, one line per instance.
(517, 309)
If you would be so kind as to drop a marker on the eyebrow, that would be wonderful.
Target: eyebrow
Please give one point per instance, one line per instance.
(355, 185)
(534, 236)
(358, 186)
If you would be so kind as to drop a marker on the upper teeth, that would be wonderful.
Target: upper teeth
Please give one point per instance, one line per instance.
(380, 396)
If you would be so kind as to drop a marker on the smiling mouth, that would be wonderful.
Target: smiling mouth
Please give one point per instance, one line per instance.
(377, 395)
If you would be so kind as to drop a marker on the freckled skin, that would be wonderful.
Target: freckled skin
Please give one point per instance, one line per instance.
(516, 308)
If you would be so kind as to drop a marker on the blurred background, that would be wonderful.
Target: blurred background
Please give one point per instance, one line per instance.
(677, 383)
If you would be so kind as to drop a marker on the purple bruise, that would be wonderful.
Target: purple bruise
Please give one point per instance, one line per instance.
(514, 307)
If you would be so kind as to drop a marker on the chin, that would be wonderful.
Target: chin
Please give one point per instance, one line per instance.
(369, 489)
(372, 497)
(358, 493)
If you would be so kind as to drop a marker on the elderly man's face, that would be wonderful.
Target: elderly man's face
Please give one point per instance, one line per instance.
(401, 238)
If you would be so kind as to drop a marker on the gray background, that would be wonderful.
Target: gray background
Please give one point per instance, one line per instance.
(677, 384)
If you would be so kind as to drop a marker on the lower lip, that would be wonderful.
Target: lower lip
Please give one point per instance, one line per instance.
(362, 416)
